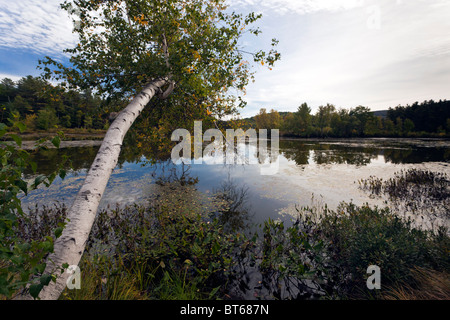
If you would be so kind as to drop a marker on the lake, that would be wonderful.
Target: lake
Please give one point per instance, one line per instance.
(311, 172)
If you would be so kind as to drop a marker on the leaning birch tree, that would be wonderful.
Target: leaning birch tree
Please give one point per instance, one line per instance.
(183, 53)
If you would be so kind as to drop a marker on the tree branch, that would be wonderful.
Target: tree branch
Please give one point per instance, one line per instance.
(164, 95)
(165, 50)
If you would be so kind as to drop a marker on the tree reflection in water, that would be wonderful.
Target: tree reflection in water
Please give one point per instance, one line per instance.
(176, 192)
(235, 215)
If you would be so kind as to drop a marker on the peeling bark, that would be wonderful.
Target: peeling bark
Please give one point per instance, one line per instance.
(70, 246)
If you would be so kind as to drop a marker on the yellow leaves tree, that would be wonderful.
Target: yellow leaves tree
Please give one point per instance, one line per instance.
(271, 120)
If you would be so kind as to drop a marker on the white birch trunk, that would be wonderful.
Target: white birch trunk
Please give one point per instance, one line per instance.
(70, 246)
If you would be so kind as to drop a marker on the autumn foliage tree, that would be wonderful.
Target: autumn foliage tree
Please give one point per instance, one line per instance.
(186, 52)
(193, 44)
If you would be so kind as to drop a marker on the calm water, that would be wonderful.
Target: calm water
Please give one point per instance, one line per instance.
(311, 172)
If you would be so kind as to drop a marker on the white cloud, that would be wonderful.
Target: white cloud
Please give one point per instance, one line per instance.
(298, 6)
(331, 54)
(10, 76)
(329, 51)
(40, 26)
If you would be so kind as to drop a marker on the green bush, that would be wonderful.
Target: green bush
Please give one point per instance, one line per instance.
(362, 236)
(174, 255)
(21, 255)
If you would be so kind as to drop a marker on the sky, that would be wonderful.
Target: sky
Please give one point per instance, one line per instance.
(375, 53)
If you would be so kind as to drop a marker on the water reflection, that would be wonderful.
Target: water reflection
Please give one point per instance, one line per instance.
(238, 193)
(363, 152)
(235, 215)
(302, 152)
(47, 160)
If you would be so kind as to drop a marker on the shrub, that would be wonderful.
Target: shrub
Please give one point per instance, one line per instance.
(174, 255)
(362, 236)
(21, 255)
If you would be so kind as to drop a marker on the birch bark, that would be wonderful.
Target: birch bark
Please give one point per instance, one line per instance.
(70, 246)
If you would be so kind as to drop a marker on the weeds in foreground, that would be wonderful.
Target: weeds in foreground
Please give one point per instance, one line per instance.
(170, 256)
(101, 282)
(426, 285)
(142, 252)
(322, 257)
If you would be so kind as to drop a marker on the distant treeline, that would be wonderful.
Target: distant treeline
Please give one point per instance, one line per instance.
(426, 119)
(41, 105)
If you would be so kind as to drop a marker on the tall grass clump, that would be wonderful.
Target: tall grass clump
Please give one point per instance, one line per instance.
(426, 285)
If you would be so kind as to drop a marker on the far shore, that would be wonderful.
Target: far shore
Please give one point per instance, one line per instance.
(94, 137)
(30, 144)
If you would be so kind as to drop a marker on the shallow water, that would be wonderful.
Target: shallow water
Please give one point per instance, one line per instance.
(310, 172)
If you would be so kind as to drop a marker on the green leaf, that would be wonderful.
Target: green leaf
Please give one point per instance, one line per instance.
(45, 279)
(17, 139)
(38, 180)
(58, 232)
(47, 246)
(50, 178)
(56, 141)
(22, 127)
(24, 247)
(62, 173)
(213, 292)
(3, 129)
(22, 185)
(215, 248)
(33, 166)
(35, 289)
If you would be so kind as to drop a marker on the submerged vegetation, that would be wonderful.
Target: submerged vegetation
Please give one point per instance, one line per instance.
(166, 251)
(416, 193)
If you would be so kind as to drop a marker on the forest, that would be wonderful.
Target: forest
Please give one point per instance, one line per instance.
(41, 106)
(426, 119)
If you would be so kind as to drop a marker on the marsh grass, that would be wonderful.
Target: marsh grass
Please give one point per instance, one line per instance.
(101, 282)
(421, 194)
(426, 285)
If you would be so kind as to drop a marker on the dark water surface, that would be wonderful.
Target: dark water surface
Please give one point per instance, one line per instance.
(310, 172)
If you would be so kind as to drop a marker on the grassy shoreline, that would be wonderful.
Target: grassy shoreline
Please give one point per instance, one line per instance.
(68, 134)
(95, 134)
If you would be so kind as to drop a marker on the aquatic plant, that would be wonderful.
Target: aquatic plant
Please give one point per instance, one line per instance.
(419, 193)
